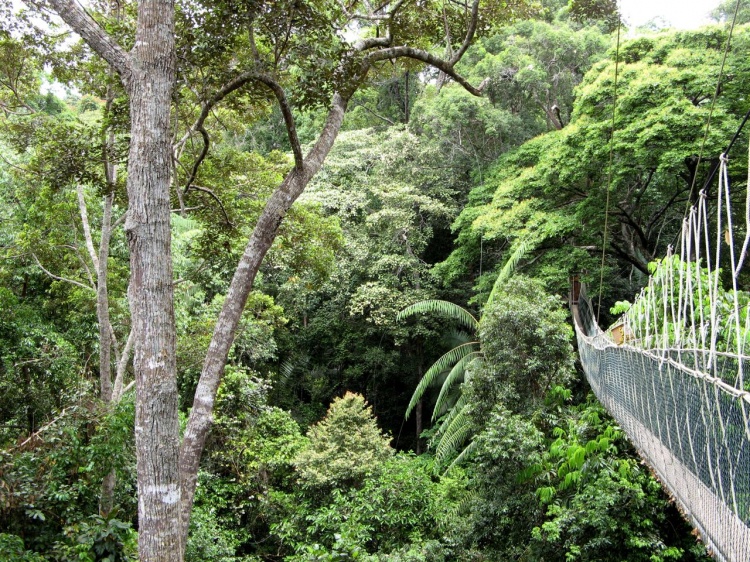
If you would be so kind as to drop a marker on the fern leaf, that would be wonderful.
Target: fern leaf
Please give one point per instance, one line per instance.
(446, 361)
(445, 308)
(523, 247)
(457, 373)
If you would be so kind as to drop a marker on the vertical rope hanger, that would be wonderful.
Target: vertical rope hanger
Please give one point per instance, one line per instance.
(609, 170)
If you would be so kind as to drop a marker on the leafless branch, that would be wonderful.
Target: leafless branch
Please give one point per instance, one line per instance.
(57, 277)
(424, 56)
(200, 268)
(41, 429)
(633, 224)
(121, 219)
(216, 198)
(87, 227)
(84, 25)
(375, 114)
(227, 89)
(122, 366)
(473, 19)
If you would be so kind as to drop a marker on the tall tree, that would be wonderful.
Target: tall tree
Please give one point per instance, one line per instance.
(147, 73)
(264, 47)
(552, 191)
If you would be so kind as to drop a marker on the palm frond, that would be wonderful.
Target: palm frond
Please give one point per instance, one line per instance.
(181, 225)
(450, 400)
(442, 364)
(444, 308)
(463, 506)
(286, 369)
(457, 373)
(446, 422)
(456, 337)
(455, 435)
(519, 252)
(462, 455)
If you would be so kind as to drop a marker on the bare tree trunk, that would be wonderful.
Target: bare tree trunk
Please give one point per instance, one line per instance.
(102, 304)
(420, 407)
(107, 493)
(147, 227)
(102, 315)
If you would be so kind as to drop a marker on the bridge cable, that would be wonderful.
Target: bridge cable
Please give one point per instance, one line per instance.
(609, 170)
(712, 173)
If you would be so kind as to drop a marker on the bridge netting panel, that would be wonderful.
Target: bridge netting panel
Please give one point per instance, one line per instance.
(689, 426)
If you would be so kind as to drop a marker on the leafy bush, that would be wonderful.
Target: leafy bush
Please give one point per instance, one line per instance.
(12, 548)
(52, 482)
(98, 540)
(207, 540)
(599, 501)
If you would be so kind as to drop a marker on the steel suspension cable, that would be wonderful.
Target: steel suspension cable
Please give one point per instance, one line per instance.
(711, 112)
(609, 171)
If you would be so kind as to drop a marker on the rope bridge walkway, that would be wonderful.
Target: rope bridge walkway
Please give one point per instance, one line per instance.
(673, 370)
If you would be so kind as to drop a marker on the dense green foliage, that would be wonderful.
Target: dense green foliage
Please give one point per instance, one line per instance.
(428, 198)
(552, 192)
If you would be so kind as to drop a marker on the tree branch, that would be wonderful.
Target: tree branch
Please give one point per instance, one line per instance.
(122, 366)
(58, 278)
(73, 14)
(424, 56)
(375, 114)
(634, 224)
(227, 89)
(260, 241)
(371, 43)
(627, 257)
(216, 198)
(121, 219)
(286, 111)
(87, 228)
(41, 429)
(660, 213)
(469, 34)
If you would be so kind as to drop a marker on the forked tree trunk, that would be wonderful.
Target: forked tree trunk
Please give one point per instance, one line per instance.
(147, 72)
(167, 474)
(263, 236)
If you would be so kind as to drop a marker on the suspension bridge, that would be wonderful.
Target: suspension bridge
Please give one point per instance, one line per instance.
(673, 370)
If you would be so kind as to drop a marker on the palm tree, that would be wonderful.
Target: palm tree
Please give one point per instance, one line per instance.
(456, 427)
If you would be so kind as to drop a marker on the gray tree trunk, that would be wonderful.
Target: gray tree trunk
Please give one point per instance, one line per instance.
(106, 497)
(147, 227)
(147, 72)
